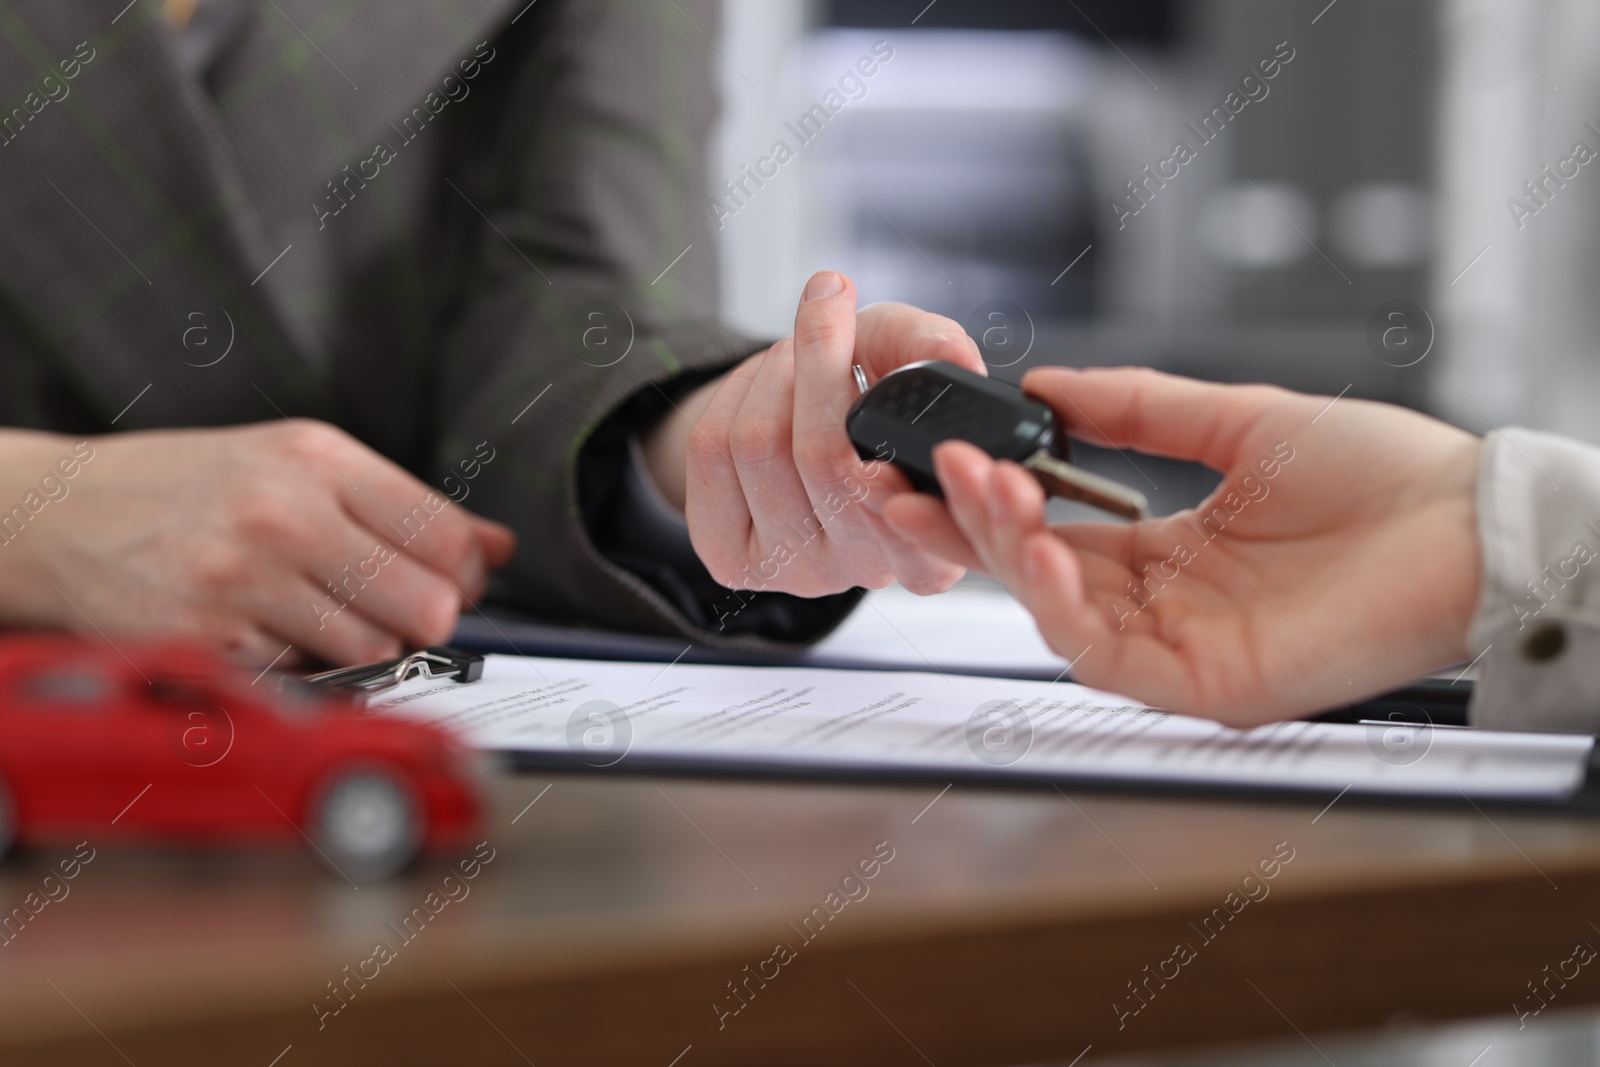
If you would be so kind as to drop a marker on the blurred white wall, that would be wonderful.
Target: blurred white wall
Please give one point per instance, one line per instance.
(913, 146)
(762, 268)
(1520, 330)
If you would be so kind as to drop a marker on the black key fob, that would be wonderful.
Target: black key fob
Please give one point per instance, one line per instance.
(912, 409)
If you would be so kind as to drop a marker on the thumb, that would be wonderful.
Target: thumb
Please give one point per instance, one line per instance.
(1155, 413)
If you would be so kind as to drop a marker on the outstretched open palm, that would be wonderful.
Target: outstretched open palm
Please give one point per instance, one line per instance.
(1338, 557)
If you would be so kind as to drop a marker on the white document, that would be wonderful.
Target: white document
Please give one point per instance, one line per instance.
(976, 628)
(646, 716)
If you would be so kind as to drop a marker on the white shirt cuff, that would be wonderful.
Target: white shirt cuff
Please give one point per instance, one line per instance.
(1537, 624)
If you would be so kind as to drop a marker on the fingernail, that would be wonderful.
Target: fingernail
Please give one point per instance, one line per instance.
(823, 285)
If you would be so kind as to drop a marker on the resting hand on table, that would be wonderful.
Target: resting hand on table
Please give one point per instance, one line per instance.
(774, 492)
(1338, 558)
(231, 537)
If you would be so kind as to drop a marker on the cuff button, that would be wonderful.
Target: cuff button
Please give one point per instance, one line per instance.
(1545, 643)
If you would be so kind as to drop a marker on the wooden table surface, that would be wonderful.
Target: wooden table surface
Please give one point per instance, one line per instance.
(617, 914)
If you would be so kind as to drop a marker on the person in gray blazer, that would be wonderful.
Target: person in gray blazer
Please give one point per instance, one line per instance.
(1350, 547)
(318, 322)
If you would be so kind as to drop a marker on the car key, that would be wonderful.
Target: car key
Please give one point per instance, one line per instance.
(912, 409)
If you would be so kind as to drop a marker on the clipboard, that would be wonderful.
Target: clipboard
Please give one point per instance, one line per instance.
(535, 744)
(1426, 702)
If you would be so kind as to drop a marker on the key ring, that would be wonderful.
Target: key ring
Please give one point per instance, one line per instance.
(861, 377)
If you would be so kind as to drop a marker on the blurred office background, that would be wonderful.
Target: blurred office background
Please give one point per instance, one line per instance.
(977, 171)
(983, 161)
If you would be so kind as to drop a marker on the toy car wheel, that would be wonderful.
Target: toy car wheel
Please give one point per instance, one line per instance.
(366, 824)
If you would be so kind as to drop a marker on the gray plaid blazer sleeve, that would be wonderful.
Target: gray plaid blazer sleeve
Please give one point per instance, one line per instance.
(455, 228)
(594, 286)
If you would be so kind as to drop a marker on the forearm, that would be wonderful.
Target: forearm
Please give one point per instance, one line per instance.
(38, 472)
(23, 450)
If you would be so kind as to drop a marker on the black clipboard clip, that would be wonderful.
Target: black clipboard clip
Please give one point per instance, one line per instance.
(437, 661)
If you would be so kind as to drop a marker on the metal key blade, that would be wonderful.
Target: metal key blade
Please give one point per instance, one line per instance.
(1073, 483)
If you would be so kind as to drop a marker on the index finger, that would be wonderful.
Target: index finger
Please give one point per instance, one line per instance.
(412, 517)
(1159, 414)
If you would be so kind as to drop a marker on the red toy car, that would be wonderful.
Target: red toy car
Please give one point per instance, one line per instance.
(170, 742)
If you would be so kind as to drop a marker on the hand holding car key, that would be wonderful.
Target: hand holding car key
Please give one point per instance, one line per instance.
(922, 404)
